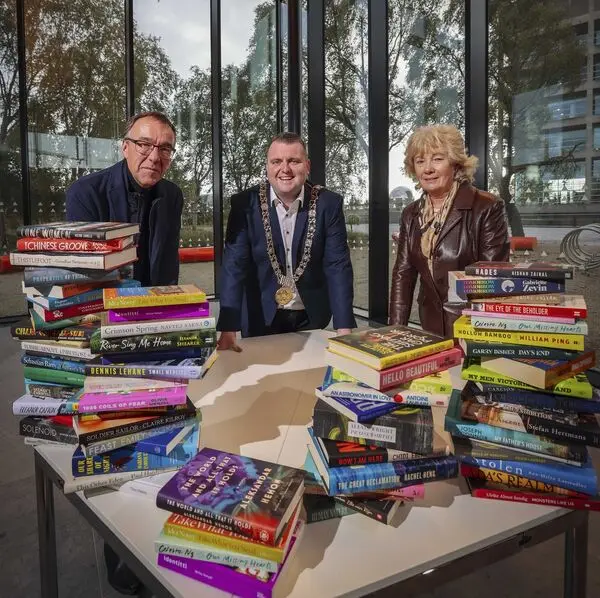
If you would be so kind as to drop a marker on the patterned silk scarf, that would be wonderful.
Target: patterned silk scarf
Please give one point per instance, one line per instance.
(431, 223)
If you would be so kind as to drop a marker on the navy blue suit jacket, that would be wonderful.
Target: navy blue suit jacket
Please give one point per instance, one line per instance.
(248, 283)
(103, 197)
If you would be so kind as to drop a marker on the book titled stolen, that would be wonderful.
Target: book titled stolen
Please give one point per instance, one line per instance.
(381, 348)
(406, 428)
(397, 374)
(248, 496)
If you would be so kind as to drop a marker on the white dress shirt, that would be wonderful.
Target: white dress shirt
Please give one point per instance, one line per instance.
(287, 224)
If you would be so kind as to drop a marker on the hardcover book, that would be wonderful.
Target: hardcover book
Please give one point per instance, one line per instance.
(47, 315)
(485, 349)
(380, 509)
(244, 495)
(153, 296)
(165, 312)
(66, 365)
(576, 386)
(463, 328)
(540, 270)
(483, 489)
(97, 402)
(60, 276)
(517, 440)
(358, 410)
(145, 343)
(482, 321)
(462, 287)
(49, 390)
(381, 348)
(64, 291)
(49, 428)
(526, 319)
(156, 327)
(93, 261)
(322, 508)
(557, 305)
(72, 245)
(99, 231)
(398, 374)
(406, 428)
(541, 373)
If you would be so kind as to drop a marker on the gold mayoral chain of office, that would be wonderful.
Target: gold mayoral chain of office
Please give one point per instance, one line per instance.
(285, 292)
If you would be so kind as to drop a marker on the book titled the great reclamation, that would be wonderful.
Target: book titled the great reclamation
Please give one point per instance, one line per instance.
(251, 497)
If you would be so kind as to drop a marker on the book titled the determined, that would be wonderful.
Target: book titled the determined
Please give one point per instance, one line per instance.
(244, 495)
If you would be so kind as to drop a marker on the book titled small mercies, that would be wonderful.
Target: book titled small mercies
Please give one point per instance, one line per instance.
(381, 348)
(248, 496)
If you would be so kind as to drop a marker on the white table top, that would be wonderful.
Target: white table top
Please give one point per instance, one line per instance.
(258, 403)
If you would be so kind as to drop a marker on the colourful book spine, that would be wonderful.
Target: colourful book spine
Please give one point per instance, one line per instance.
(71, 245)
(359, 410)
(465, 287)
(49, 390)
(51, 315)
(153, 342)
(59, 276)
(486, 323)
(571, 306)
(165, 312)
(28, 405)
(57, 376)
(157, 327)
(244, 584)
(537, 270)
(485, 349)
(160, 397)
(476, 313)
(66, 365)
(152, 296)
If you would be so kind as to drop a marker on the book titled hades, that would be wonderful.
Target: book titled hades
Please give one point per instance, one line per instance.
(102, 231)
(540, 270)
(515, 439)
(462, 287)
(153, 342)
(406, 428)
(381, 348)
(184, 367)
(566, 427)
(493, 393)
(244, 495)
(153, 296)
(481, 488)
(398, 374)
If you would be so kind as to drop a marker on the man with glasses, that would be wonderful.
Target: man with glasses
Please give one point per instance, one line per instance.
(133, 190)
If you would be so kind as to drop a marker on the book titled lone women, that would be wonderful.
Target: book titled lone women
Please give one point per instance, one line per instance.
(251, 497)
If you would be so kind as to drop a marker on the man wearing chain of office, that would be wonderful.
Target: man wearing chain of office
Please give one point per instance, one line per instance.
(286, 263)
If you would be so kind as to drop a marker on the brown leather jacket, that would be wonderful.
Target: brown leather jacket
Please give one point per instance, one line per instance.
(475, 230)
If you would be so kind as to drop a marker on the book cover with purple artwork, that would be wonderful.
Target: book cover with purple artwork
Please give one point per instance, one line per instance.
(244, 495)
(166, 312)
(245, 583)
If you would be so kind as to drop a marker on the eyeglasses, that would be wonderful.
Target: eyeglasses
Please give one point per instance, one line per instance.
(145, 148)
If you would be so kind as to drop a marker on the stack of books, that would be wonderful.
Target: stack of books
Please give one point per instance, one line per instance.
(522, 423)
(370, 448)
(234, 522)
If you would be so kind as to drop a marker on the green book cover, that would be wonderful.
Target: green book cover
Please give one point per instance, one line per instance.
(153, 342)
(57, 376)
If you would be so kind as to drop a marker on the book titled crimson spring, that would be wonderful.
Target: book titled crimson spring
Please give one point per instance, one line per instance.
(248, 496)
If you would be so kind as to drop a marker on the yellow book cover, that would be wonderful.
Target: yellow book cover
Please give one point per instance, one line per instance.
(195, 530)
(512, 480)
(438, 383)
(571, 342)
(125, 297)
(577, 386)
(382, 348)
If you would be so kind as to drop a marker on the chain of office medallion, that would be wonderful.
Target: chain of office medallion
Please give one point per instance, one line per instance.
(310, 233)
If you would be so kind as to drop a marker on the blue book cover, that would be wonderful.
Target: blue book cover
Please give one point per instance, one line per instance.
(163, 444)
(52, 303)
(33, 276)
(536, 400)
(132, 358)
(358, 410)
(65, 365)
(131, 458)
(580, 479)
(381, 476)
(515, 439)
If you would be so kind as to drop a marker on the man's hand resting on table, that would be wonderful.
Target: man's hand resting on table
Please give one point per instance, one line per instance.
(227, 341)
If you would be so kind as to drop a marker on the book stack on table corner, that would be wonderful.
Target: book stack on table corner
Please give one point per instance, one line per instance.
(522, 423)
(106, 361)
(372, 444)
(234, 522)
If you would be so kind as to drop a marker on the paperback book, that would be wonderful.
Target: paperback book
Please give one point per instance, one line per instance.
(153, 296)
(538, 270)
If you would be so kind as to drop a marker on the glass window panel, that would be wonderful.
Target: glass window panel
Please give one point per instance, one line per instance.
(426, 58)
(347, 126)
(540, 163)
(172, 74)
(11, 208)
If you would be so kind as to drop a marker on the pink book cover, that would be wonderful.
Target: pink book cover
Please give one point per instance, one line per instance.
(92, 402)
(486, 314)
(167, 312)
(405, 372)
(245, 583)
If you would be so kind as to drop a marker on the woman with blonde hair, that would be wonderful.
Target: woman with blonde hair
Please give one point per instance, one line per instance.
(452, 225)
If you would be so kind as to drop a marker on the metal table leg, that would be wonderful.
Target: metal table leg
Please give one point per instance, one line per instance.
(575, 573)
(46, 532)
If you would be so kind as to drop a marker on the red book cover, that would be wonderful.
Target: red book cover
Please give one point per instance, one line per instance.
(82, 309)
(72, 245)
(565, 306)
